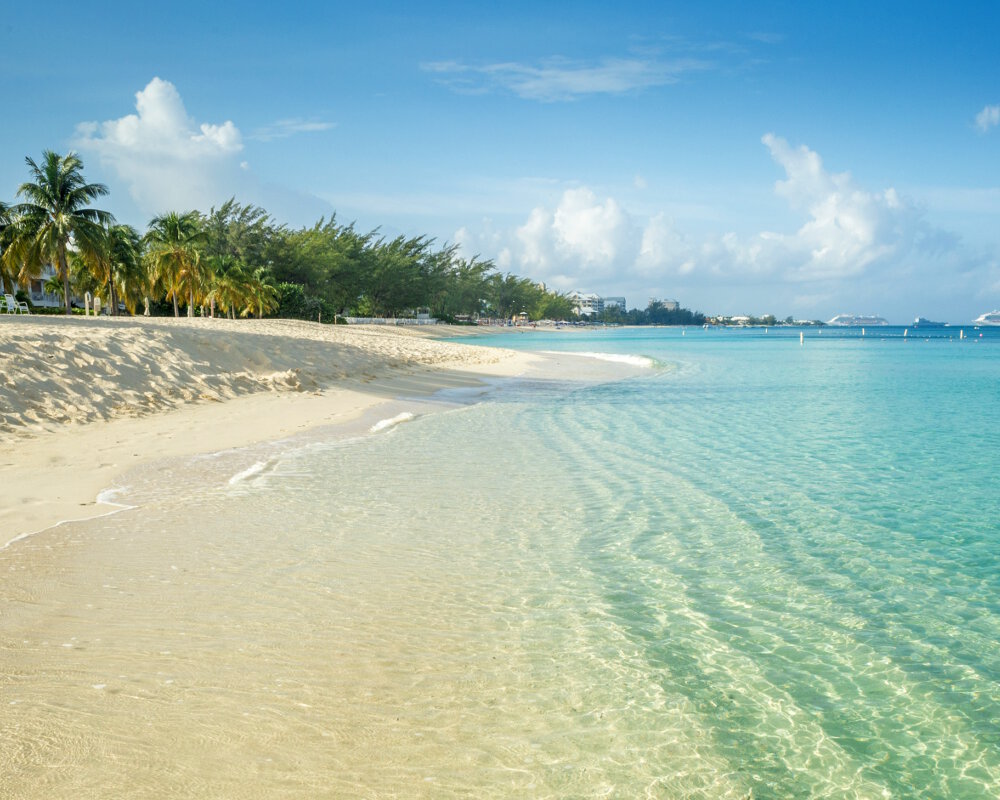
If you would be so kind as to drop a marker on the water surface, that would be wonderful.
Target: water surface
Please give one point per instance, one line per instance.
(757, 569)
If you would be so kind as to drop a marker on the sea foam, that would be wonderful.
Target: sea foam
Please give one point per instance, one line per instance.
(391, 422)
(249, 472)
(619, 358)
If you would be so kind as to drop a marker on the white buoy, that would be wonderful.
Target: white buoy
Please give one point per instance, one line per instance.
(802, 338)
(961, 333)
(862, 331)
(905, 332)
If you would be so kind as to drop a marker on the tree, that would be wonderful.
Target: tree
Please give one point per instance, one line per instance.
(6, 274)
(262, 293)
(113, 260)
(174, 243)
(54, 216)
(228, 285)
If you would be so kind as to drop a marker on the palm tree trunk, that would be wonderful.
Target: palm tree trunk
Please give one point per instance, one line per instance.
(190, 302)
(177, 311)
(64, 272)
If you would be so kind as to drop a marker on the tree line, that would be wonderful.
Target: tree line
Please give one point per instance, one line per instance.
(236, 260)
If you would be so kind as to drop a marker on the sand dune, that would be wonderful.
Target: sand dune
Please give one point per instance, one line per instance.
(56, 372)
(84, 400)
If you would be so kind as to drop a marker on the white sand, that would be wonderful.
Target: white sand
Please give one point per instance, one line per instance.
(84, 400)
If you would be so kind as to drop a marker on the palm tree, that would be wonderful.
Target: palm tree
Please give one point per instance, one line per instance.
(129, 278)
(6, 275)
(113, 260)
(228, 285)
(262, 294)
(173, 248)
(54, 215)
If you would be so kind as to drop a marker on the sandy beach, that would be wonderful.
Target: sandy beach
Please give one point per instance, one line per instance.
(84, 400)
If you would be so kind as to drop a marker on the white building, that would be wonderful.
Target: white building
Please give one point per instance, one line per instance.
(586, 305)
(37, 293)
(36, 289)
(615, 302)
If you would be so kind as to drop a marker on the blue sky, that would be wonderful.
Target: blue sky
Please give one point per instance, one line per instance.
(778, 158)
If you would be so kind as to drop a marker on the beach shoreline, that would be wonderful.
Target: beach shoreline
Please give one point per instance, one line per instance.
(84, 401)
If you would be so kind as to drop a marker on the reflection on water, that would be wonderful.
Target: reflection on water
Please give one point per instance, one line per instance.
(710, 581)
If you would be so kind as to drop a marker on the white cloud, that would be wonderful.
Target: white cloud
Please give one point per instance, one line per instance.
(849, 243)
(561, 79)
(582, 239)
(988, 118)
(284, 128)
(848, 228)
(169, 161)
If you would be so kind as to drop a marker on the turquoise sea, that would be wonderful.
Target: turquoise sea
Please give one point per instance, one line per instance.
(754, 568)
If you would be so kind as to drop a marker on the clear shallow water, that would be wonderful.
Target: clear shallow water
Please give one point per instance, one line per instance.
(760, 569)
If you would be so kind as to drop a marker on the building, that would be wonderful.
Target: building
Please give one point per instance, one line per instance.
(666, 305)
(36, 289)
(589, 305)
(586, 305)
(37, 293)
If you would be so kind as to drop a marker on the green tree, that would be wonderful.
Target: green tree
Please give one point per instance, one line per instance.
(114, 260)
(174, 244)
(262, 293)
(7, 279)
(55, 214)
(227, 284)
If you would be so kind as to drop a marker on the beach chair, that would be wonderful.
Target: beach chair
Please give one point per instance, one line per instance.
(15, 306)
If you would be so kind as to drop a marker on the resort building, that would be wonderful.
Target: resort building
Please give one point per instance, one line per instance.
(586, 305)
(36, 289)
(37, 293)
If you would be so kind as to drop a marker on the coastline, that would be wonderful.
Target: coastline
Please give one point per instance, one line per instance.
(84, 401)
(197, 386)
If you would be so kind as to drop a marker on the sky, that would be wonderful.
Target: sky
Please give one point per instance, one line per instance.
(787, 158)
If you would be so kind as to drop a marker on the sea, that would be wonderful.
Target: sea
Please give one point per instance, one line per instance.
(731, 563)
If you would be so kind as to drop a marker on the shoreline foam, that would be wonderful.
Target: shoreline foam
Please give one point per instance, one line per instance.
(84, 401)
(68, 432)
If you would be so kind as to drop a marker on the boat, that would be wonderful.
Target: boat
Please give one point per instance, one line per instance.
(922, 322)
(989, 318)
(857, 321)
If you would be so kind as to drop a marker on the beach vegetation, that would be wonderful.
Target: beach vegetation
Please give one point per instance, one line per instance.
(54, 217)
(174, 245)
(236, 258)
(114, 264)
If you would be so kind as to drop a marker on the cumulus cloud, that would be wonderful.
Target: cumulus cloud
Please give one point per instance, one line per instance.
(847, 237)
(562, 79)
(988, 118)
(582, 238)
(848, 228)
(167, 159)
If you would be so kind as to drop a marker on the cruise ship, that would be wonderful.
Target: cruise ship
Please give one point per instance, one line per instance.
(989, 318)
(854, 320)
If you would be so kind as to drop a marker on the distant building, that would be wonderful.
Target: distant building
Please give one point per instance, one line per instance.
(666, 305)
(615, 302)
(586, 305)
